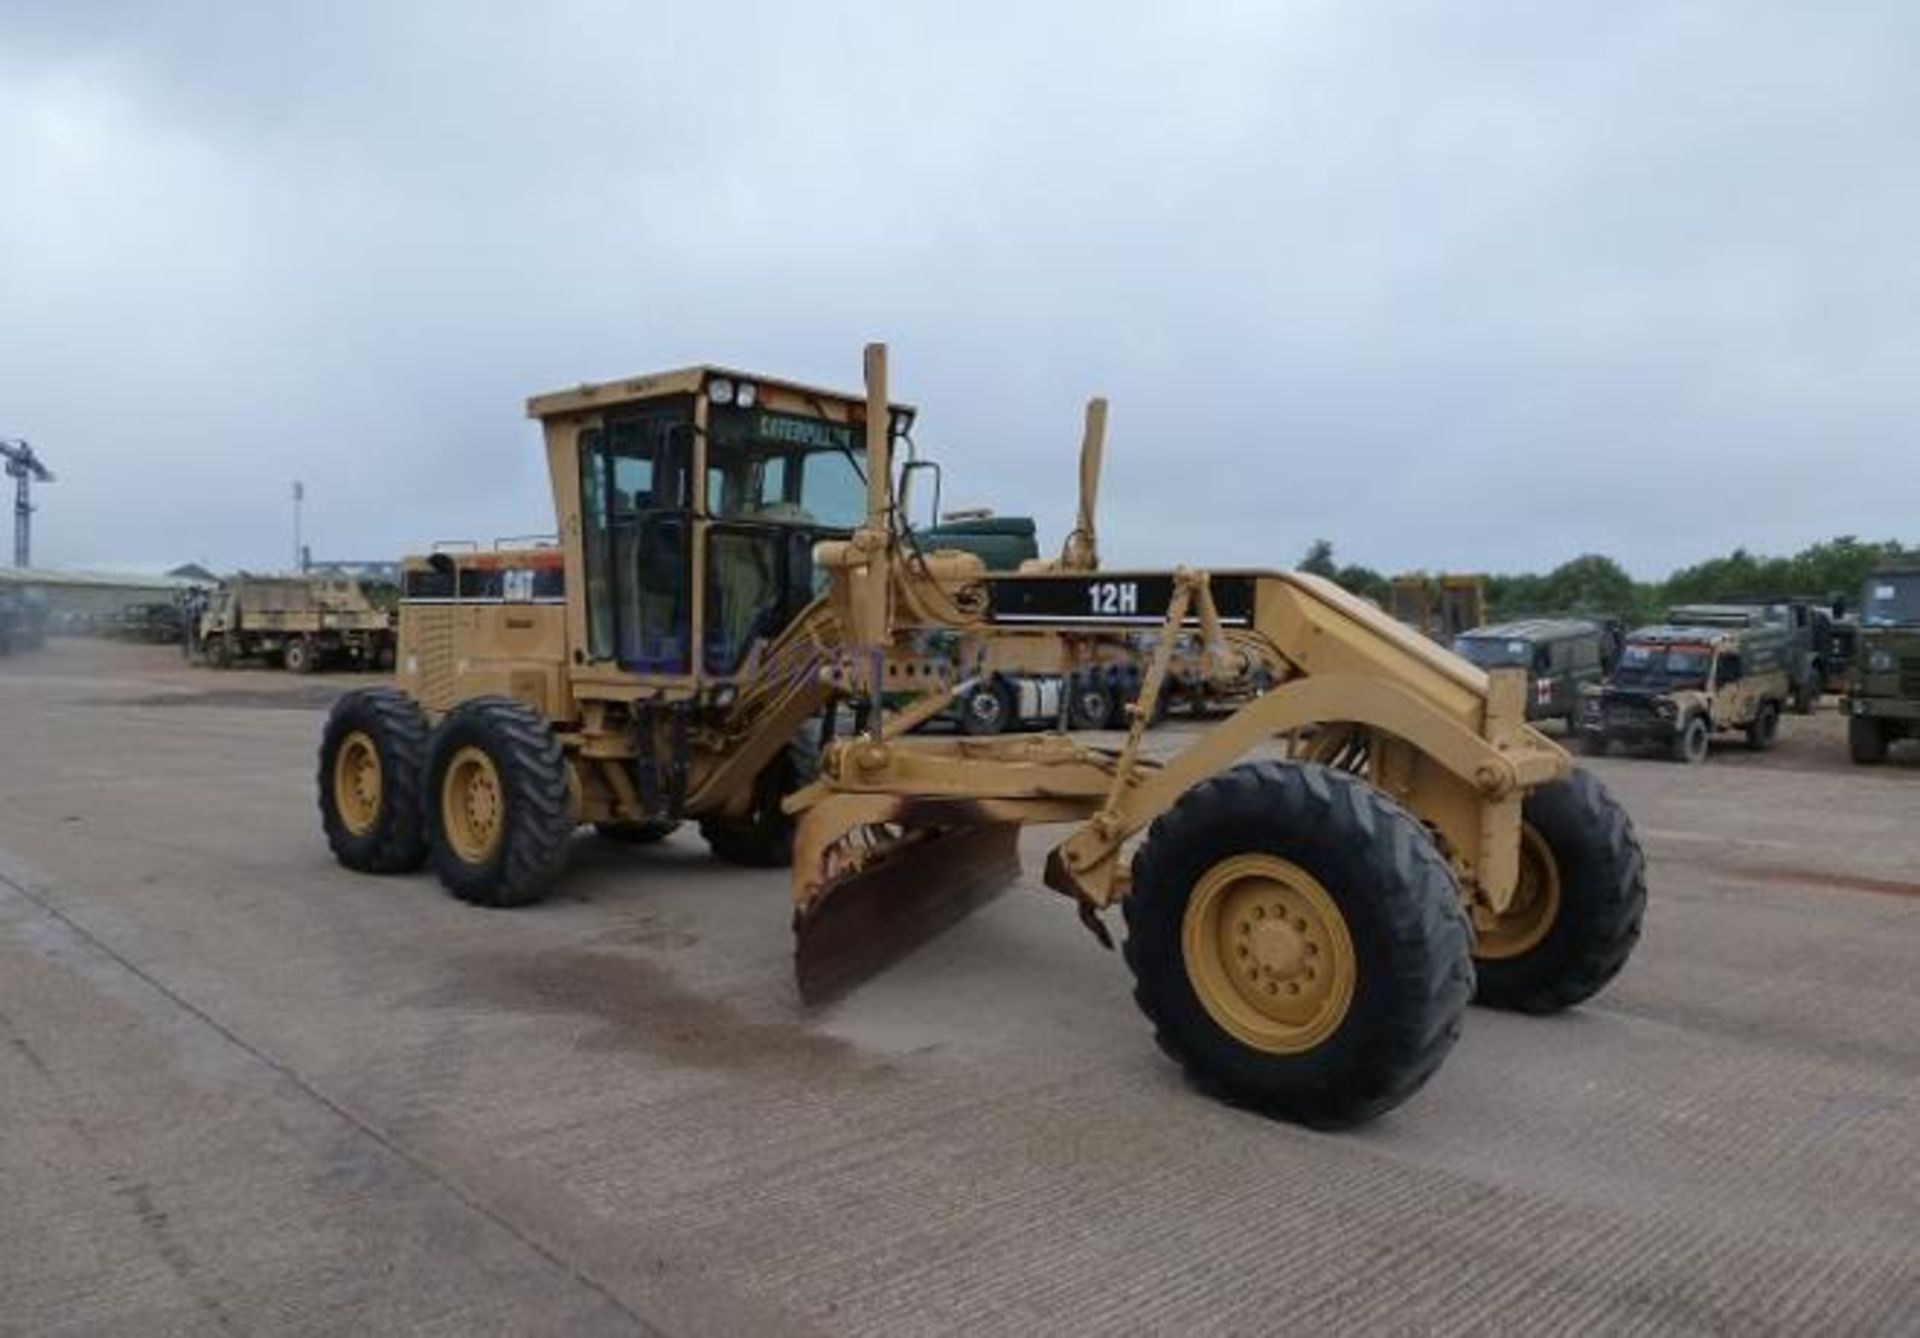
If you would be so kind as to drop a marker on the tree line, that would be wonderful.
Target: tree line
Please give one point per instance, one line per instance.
(1596, 585)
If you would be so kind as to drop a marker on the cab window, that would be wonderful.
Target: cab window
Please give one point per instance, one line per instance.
(636, 528)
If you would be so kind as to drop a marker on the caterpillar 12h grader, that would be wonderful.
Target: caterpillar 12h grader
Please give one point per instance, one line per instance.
(733, 630)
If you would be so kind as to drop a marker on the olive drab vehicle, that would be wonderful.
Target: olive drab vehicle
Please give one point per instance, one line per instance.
(729, 634)
(1680, 686)
(1882, 703)
(302, 622)
(1562, 656)
(1801, 624)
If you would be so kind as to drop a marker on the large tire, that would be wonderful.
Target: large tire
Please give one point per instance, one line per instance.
(1692, 741)
(1806, 697)
(497, 803)
(1764, 728)
(1866, 740)
(1593, 743)
(220, 651)
(373, 759)
(299, 656)
(987, 710)
(1582, 896)
(763, 839)
(1387, 933)
(635, 833)
(1090, 704)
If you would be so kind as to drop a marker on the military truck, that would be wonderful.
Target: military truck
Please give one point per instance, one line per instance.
(1680, 685)
(1798, 618)
(304, 622)
(1882, 703)
(1561, 656)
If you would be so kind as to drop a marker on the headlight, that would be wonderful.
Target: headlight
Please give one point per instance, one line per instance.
(720, 390)
(1663, 708)
(744, 394)
(1880, 662)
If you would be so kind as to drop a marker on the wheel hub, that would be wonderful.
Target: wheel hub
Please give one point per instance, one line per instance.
(357, 783)
(472, 806)
(1268, 953)
(1535, 904)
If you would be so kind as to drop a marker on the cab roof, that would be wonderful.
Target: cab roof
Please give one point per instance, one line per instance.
(1673, 632)
(682, 381)
(1534, 629)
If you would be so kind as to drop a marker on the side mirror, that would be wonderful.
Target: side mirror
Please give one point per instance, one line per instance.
(904, 491)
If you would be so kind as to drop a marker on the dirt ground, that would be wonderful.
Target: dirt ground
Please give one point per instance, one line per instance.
(243, 1090)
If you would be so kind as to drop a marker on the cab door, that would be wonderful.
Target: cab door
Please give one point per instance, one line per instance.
(637, 532)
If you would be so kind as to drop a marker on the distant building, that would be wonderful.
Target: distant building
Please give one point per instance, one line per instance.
(78, 596)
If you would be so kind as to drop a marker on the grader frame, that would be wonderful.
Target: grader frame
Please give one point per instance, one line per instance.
(1304, 930)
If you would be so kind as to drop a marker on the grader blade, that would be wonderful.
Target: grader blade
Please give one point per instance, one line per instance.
(879, 890)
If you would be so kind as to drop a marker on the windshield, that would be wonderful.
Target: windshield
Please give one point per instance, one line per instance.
(1659, 664)
(784, 468)
(1493, 652)
(1891, 601)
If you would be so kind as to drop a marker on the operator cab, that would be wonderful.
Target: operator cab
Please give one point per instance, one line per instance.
(702, 482)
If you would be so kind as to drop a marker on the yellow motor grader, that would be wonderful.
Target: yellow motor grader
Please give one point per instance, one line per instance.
(734, 629)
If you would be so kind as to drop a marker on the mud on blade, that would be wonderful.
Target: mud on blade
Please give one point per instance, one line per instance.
(882, 888)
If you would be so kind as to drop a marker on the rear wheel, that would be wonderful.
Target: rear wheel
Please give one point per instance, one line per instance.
(1866, 740)
(498, 810)
(1298, 943)
(298, 657)
(1691, 741)
(372, 762)
(1806, 697)
(1576, 913)
(1764, 728)
(763, 837)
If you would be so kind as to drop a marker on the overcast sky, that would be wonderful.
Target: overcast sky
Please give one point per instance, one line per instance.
(1466, 286)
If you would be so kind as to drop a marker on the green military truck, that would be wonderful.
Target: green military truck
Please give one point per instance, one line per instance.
(1561, 657)
(1883, 691)
(1678, 686)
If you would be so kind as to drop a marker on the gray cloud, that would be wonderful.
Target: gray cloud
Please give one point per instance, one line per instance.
(1470, 286)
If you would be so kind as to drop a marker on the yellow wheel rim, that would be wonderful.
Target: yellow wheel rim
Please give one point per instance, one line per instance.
(1268, 953)
(1536, 904)
(472, 806)
(356, 783)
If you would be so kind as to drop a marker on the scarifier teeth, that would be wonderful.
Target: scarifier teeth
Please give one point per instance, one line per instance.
(897, 886)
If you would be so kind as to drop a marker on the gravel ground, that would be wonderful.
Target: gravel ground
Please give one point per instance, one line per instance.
(243, 1090)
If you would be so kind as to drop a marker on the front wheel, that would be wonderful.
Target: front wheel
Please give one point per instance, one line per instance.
(988, 709)
(1298, 943)
(1866, 740)
(299, 656)
(1576, 913)
(1091, 704)
(497, 803)
(1764, 728)
(1691, 741)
